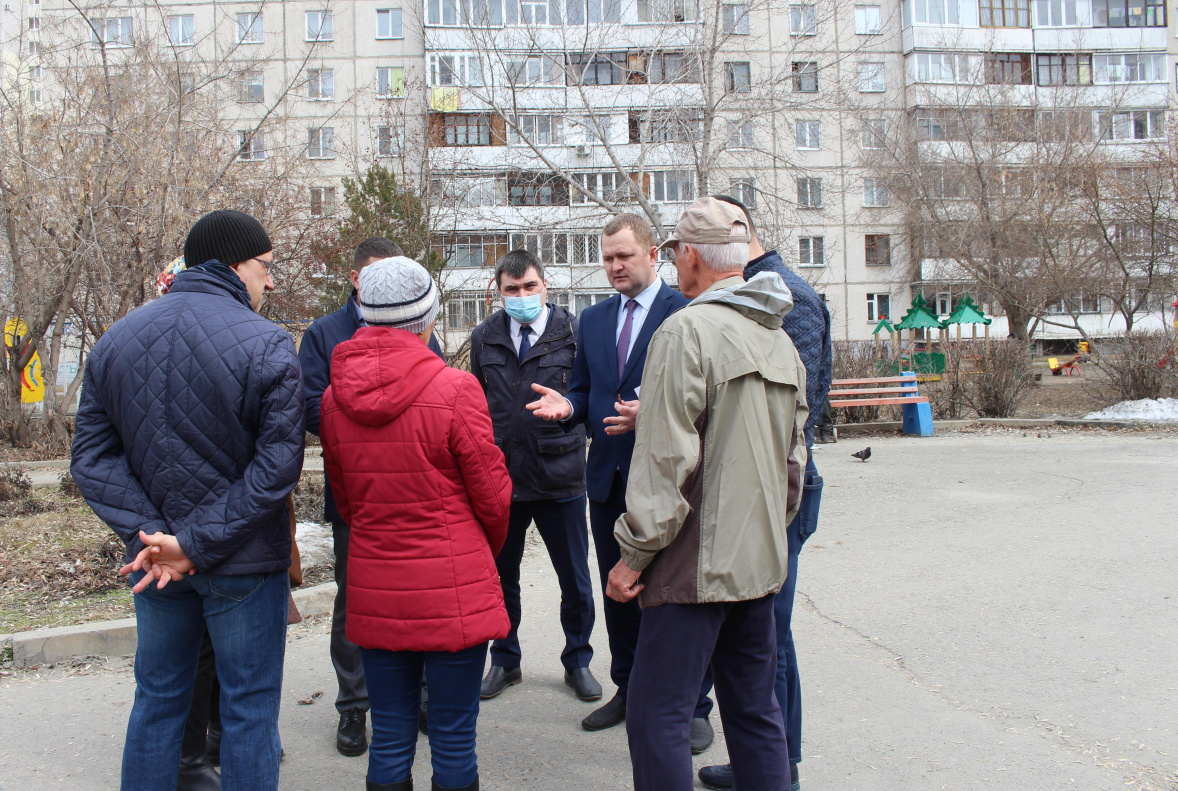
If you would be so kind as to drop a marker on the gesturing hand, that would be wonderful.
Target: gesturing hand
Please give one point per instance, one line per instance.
(623, 584)
(161, 559)
(625, 420)
(551, 405)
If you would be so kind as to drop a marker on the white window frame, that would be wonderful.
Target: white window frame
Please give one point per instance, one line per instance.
(326, 197)
(875, 134)
(321, 142)
(249, 28)
(868, 20)
(385, 82)
(393, 19)
(1056, 13)
(809, 192)
(668, 11)
(744, 190)
(873, 306)
(807, 135)
(812, 251)
(388, 141)
(525, 70)
(321, 84)
(940, 67)
(1122, 125)
(742, 136)
(803, 19)
(875, 193)
(541, 129)
(1128, 67)
(878, 236)
(179, 34)
(320, 25)
(454, 68)
(672, 186)
(118, 31)
(605, 185)
(251, 146)
(250, 79)
(871, 77)
(936, 12)
(735, 19)
(730, 72)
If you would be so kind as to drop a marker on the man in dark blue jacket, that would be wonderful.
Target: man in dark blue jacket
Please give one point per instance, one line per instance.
(533, 341)
(603, 395)
(189, 438)
(315, 349)
(808, 326)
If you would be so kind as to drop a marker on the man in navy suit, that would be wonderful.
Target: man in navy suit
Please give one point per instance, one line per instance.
(603, 394)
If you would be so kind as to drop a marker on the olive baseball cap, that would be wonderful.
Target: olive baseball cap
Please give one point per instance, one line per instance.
(709, 221)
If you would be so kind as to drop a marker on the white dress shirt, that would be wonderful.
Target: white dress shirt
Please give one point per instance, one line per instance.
(538, 326)
(644, 301)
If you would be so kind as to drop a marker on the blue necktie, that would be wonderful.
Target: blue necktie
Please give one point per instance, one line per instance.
(524, 342)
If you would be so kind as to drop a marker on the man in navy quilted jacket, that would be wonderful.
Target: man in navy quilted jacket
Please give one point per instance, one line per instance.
(189, 438)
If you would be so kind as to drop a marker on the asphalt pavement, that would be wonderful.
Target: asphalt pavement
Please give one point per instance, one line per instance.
(976, 611)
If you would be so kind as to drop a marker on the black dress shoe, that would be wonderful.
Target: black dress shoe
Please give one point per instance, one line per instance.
(718, 778)
(351, 738)
(499, 679)
(583, 683)
(609, 715)
(404, 785)
(702, 735)
(197, 774)
(213, 743)
(472, 787)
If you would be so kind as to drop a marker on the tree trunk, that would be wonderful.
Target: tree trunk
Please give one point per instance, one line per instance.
(1017, 319)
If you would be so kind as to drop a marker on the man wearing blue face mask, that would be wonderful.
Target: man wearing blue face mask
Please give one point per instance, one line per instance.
(532, 341)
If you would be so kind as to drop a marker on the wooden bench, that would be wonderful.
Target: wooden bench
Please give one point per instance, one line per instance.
(883, 391)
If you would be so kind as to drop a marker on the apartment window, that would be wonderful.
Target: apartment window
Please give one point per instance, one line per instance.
(667, 68)
(805, 76)
(1132, 125)
(875, 132)
(187, 84)
(1128, 13)
(321, 142)
(112, 32)
(390, 82)
(34, 23)
(807, 134)
(666, 126)
(472, 251)
(594, 129)
(1055, 13)
(1005, 13)
(320, 26)
(455, 70)
(465, 312)
(809, 193)
(388, 142)
(467, 129)
(536, 130)
(665, 10)
(322, 201)
(1008, 68)
(811, 251)
(249, 28)
(442, 12)
(943, 67)
(35, 95)
(605, 68)
(1130, 67)
(737, 77)
(251, 89)
(251, 146)
(1065, 69)
(744, 190)
(182, 30)
(877, 249)
(871, 78)
(879, 306)
(388, 23)
(605, 186)
(931, 127)
(803, 20)
(32, 47)
(936, 12)
(742, 135)
(875, 193)
(735, 18)
(537, 70)
(868, 20)
(536, 189)
(673, 186)
(534, 12)
(321, 84)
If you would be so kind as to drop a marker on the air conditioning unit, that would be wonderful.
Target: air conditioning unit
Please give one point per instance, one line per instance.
(584, 150)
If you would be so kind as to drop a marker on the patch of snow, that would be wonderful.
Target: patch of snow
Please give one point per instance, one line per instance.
(316, 547)
(1156, 410)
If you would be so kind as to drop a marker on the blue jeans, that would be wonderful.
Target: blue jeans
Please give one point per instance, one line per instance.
(394, 688)
(246, 619)
(788, 685)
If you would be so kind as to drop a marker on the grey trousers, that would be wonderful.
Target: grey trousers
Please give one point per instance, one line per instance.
(345, 655)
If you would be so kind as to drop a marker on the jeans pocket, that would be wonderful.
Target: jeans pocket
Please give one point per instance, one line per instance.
(811, 502)
(236, 588)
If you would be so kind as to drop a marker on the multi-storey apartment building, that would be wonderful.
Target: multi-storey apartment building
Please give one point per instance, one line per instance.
(524, 123)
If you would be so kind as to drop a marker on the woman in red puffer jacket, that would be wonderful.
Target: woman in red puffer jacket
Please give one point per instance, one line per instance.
(409, 449)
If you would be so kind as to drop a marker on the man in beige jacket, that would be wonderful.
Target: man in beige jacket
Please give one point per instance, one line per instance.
(714, 483)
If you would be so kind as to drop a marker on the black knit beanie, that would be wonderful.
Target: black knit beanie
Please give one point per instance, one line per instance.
(226, 235)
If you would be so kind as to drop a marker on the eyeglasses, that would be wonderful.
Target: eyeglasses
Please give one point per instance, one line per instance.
(268, 264)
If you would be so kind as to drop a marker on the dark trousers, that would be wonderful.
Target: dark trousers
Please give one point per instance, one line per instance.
(206, 702)
(345, 655)
(621, 619)
(788, 685)
(675, 646)
(395, 678)
(565, 534)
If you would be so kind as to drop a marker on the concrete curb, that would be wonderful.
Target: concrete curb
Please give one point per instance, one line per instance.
(948, 425)
(118, 638)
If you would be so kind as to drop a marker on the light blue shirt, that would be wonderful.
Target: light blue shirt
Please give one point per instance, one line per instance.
(644, 300)
(537, 326)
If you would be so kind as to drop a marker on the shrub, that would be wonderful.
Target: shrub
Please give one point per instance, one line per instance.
(14, 484)
(1002, 380)
(1140, 364)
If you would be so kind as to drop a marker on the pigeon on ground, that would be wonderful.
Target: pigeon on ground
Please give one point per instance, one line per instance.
(864, 454)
